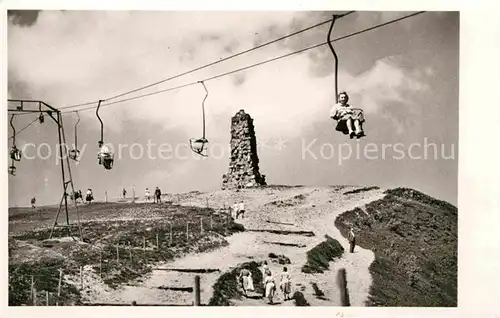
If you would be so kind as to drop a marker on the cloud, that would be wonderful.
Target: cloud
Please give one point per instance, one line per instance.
(386, 82)
(92, 55)
(24, 18)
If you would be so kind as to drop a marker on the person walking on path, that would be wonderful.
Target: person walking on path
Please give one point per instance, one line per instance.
(286, 284)
(352, 240)
(158, 195)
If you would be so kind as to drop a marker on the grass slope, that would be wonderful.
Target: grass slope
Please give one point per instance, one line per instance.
(30, 253)
(319, 257)
(414, 238)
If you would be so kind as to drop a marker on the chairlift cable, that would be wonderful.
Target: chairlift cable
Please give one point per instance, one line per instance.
(212, 63)
(258, 64)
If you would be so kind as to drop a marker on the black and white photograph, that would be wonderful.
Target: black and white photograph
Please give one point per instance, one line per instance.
(265, 158)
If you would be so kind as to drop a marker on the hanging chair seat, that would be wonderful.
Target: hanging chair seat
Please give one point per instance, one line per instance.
(355, 114)
(106, 159)
(198, 145)
(74, 154)
(15, 154)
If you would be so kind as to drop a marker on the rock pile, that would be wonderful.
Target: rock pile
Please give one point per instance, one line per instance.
(243, 162)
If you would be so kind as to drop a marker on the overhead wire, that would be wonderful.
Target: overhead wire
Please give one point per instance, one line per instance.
(256, 64)
(25, 127)
(212, 63)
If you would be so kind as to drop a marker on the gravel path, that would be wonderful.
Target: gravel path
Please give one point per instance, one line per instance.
(307, 208)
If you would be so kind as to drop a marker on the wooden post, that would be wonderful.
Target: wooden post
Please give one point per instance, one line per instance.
(342, 284)
(211, 222)
(187, 231)
(100, 262)
(81, 277)
(130, 251)
(106, 196)
(47, 297)
(201, 225)
(33, 289)
(170, 234)
(117, 254)
(197, 298)
(59, 286)
(157, 241)
(34, 296)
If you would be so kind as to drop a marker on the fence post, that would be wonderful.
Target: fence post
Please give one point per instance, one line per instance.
(197, 297)
(47, 297)
(157, 241)
(59, 286)
(170, 234)
(106, 196)
(117, 254)
(342, 284)
(100, 262)
(187, 231)
(81, 277)
(33, 297)
(201, 225)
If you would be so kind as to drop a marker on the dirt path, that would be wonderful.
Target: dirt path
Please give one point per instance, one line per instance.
(308, 209)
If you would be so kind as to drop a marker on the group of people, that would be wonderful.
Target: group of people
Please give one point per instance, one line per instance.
(156, 197)
(269, 282)
(147, 195)
(239, 209)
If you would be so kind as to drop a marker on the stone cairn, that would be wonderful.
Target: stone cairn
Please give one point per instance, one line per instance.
(243, 162)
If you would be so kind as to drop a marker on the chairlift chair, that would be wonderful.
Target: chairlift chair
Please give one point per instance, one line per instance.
(41, 119)
(105, 158)
(341, 125)
(15, 154)
(198, 145)
(74, 153)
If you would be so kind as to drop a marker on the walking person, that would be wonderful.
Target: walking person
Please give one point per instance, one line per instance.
(147, 194)
(265, 272)
(158, 195)
(241, 210)
(270, 287)
(90, 196)
(246, 280)
(33, 202)
(352, 240)
(286, 284)
(124, 192)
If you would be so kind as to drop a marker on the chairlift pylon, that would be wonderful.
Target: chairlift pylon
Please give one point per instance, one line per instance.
(198, 145)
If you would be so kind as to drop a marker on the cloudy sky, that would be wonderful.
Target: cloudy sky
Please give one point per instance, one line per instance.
(404, 76)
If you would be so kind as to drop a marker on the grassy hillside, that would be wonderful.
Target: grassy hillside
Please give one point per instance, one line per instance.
(119, 250)
(414, 238)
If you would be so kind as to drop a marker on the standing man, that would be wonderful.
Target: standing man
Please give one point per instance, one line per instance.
(33, 202)
(124, 193)
(158, 195)
(352, 240)
(241, 210)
